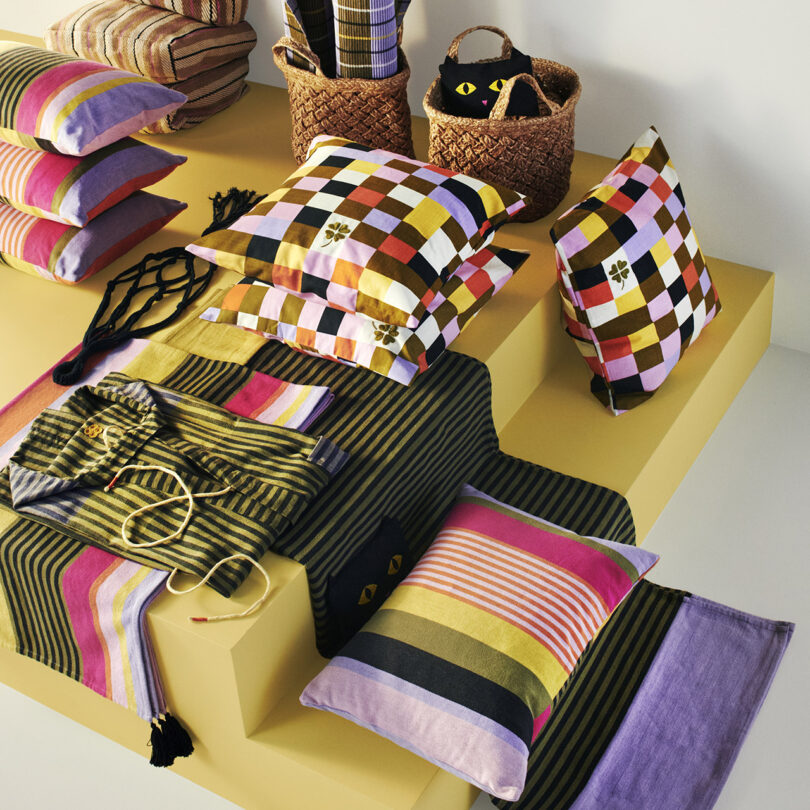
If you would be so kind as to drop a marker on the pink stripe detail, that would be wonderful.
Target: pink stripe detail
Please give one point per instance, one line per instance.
(77, 583)
(595, 568)
(46, 178)
(255, 396)
(40, 241)
(539, 722)
(45, 87)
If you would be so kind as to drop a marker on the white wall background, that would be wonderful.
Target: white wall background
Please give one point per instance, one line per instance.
(724, 81)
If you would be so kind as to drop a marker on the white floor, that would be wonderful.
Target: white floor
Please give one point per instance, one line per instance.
(736, 531)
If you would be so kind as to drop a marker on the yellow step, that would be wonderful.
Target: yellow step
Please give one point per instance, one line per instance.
(235, 685)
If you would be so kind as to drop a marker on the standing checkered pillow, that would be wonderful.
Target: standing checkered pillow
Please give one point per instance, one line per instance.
(634, 284)
(364, 230)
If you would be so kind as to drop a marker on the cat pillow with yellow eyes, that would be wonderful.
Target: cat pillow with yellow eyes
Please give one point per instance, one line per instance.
(471, 89)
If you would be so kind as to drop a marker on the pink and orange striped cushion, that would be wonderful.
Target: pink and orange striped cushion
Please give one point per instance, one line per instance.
(461, 663)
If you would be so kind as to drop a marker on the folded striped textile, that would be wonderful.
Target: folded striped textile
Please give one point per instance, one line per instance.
(212, 12)
(427, 439)
(208, 93)
(366, 38)
(310, 23)
(162, 45)
(393, 351)
(87, 618)
(93, 466)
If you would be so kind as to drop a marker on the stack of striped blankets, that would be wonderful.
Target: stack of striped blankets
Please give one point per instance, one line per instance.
(70, 177)
(199, 49)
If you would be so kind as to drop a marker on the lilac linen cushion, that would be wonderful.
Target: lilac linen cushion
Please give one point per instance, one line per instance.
(74, 190)
(58, 103)
(60, 252)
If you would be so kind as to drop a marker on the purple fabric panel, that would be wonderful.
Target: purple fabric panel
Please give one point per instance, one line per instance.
(121, 169)
(678, 742)
(115, 227)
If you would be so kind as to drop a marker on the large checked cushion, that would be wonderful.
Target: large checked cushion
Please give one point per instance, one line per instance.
(635, 288)
(393, 351)
(365, 230)
(74, 190)
(58, 103)
(65, 253)
(461, 663)
(153, 42)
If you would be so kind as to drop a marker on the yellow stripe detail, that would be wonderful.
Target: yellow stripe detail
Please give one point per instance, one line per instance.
(291, 411)
(482, 626)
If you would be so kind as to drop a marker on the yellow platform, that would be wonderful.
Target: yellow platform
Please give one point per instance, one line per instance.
(235, 685)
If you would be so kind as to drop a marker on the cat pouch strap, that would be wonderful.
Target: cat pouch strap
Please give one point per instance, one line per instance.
(470, 89)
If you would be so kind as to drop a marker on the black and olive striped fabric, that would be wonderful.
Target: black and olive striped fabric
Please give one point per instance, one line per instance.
(588, 710)
(411, 449)
(59, 476)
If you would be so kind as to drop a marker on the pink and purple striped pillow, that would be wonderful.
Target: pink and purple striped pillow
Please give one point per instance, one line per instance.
(54, 102)
(74, 190)
(461, 663)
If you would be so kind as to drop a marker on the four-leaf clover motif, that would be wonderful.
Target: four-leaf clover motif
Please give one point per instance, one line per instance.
(385, 332)
(336, 231)
(619, 271)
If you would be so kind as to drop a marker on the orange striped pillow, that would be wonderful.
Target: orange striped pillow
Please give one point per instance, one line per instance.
(461, 663)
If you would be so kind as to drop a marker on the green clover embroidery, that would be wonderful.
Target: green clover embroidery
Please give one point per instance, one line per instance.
(335, 231)
(620, 271)
(385, 332)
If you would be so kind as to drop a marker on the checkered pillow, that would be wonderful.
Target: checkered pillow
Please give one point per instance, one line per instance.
(393, 351)
(635, 287)
(365, 230)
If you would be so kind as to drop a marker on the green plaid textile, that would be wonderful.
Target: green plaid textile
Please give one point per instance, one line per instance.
(61, 475)
(366, 38)
(309, 23)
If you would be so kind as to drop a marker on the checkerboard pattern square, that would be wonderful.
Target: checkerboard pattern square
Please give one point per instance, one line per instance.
(635, 288)
(395, 352)
(364, 230)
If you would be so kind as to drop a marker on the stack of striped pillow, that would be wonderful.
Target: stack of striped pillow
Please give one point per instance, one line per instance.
(70, 178)
(201, 52)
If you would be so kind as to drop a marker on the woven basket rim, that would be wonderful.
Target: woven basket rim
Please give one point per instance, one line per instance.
(434, 113)
(342, 83)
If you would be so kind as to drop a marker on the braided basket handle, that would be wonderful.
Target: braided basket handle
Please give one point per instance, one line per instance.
(285, 44)
(498, 112)
(506, 48)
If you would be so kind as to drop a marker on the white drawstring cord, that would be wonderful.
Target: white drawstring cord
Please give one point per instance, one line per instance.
(254, 607)
(190, 497)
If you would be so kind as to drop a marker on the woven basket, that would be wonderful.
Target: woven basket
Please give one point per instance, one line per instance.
(531, 154)
(373, 112)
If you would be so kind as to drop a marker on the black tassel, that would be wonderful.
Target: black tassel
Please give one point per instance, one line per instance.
(149, 276)
(161, 756)
(177, 738)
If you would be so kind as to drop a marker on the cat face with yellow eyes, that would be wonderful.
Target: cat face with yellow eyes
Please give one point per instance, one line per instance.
(471, 90)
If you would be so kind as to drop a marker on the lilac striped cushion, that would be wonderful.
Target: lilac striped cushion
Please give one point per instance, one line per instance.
(58, 103)
(60, 252)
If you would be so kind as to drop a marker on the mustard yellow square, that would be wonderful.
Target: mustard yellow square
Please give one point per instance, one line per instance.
(633, 299)
(462, 299)
(592, 227)
(661, 252)
(363, 166)
(427, 217)
(493, 203)
(643, 338)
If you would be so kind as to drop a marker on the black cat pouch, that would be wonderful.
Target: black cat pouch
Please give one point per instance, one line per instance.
(471, 89)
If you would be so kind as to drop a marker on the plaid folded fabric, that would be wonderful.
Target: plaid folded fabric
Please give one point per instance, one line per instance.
(162, 45)
(65, 253)
(74, 190)
(635, 288)
(211, 12)
(309, 23)
(395, 352)
(364, 230)
(208, 93)
(366, 38)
